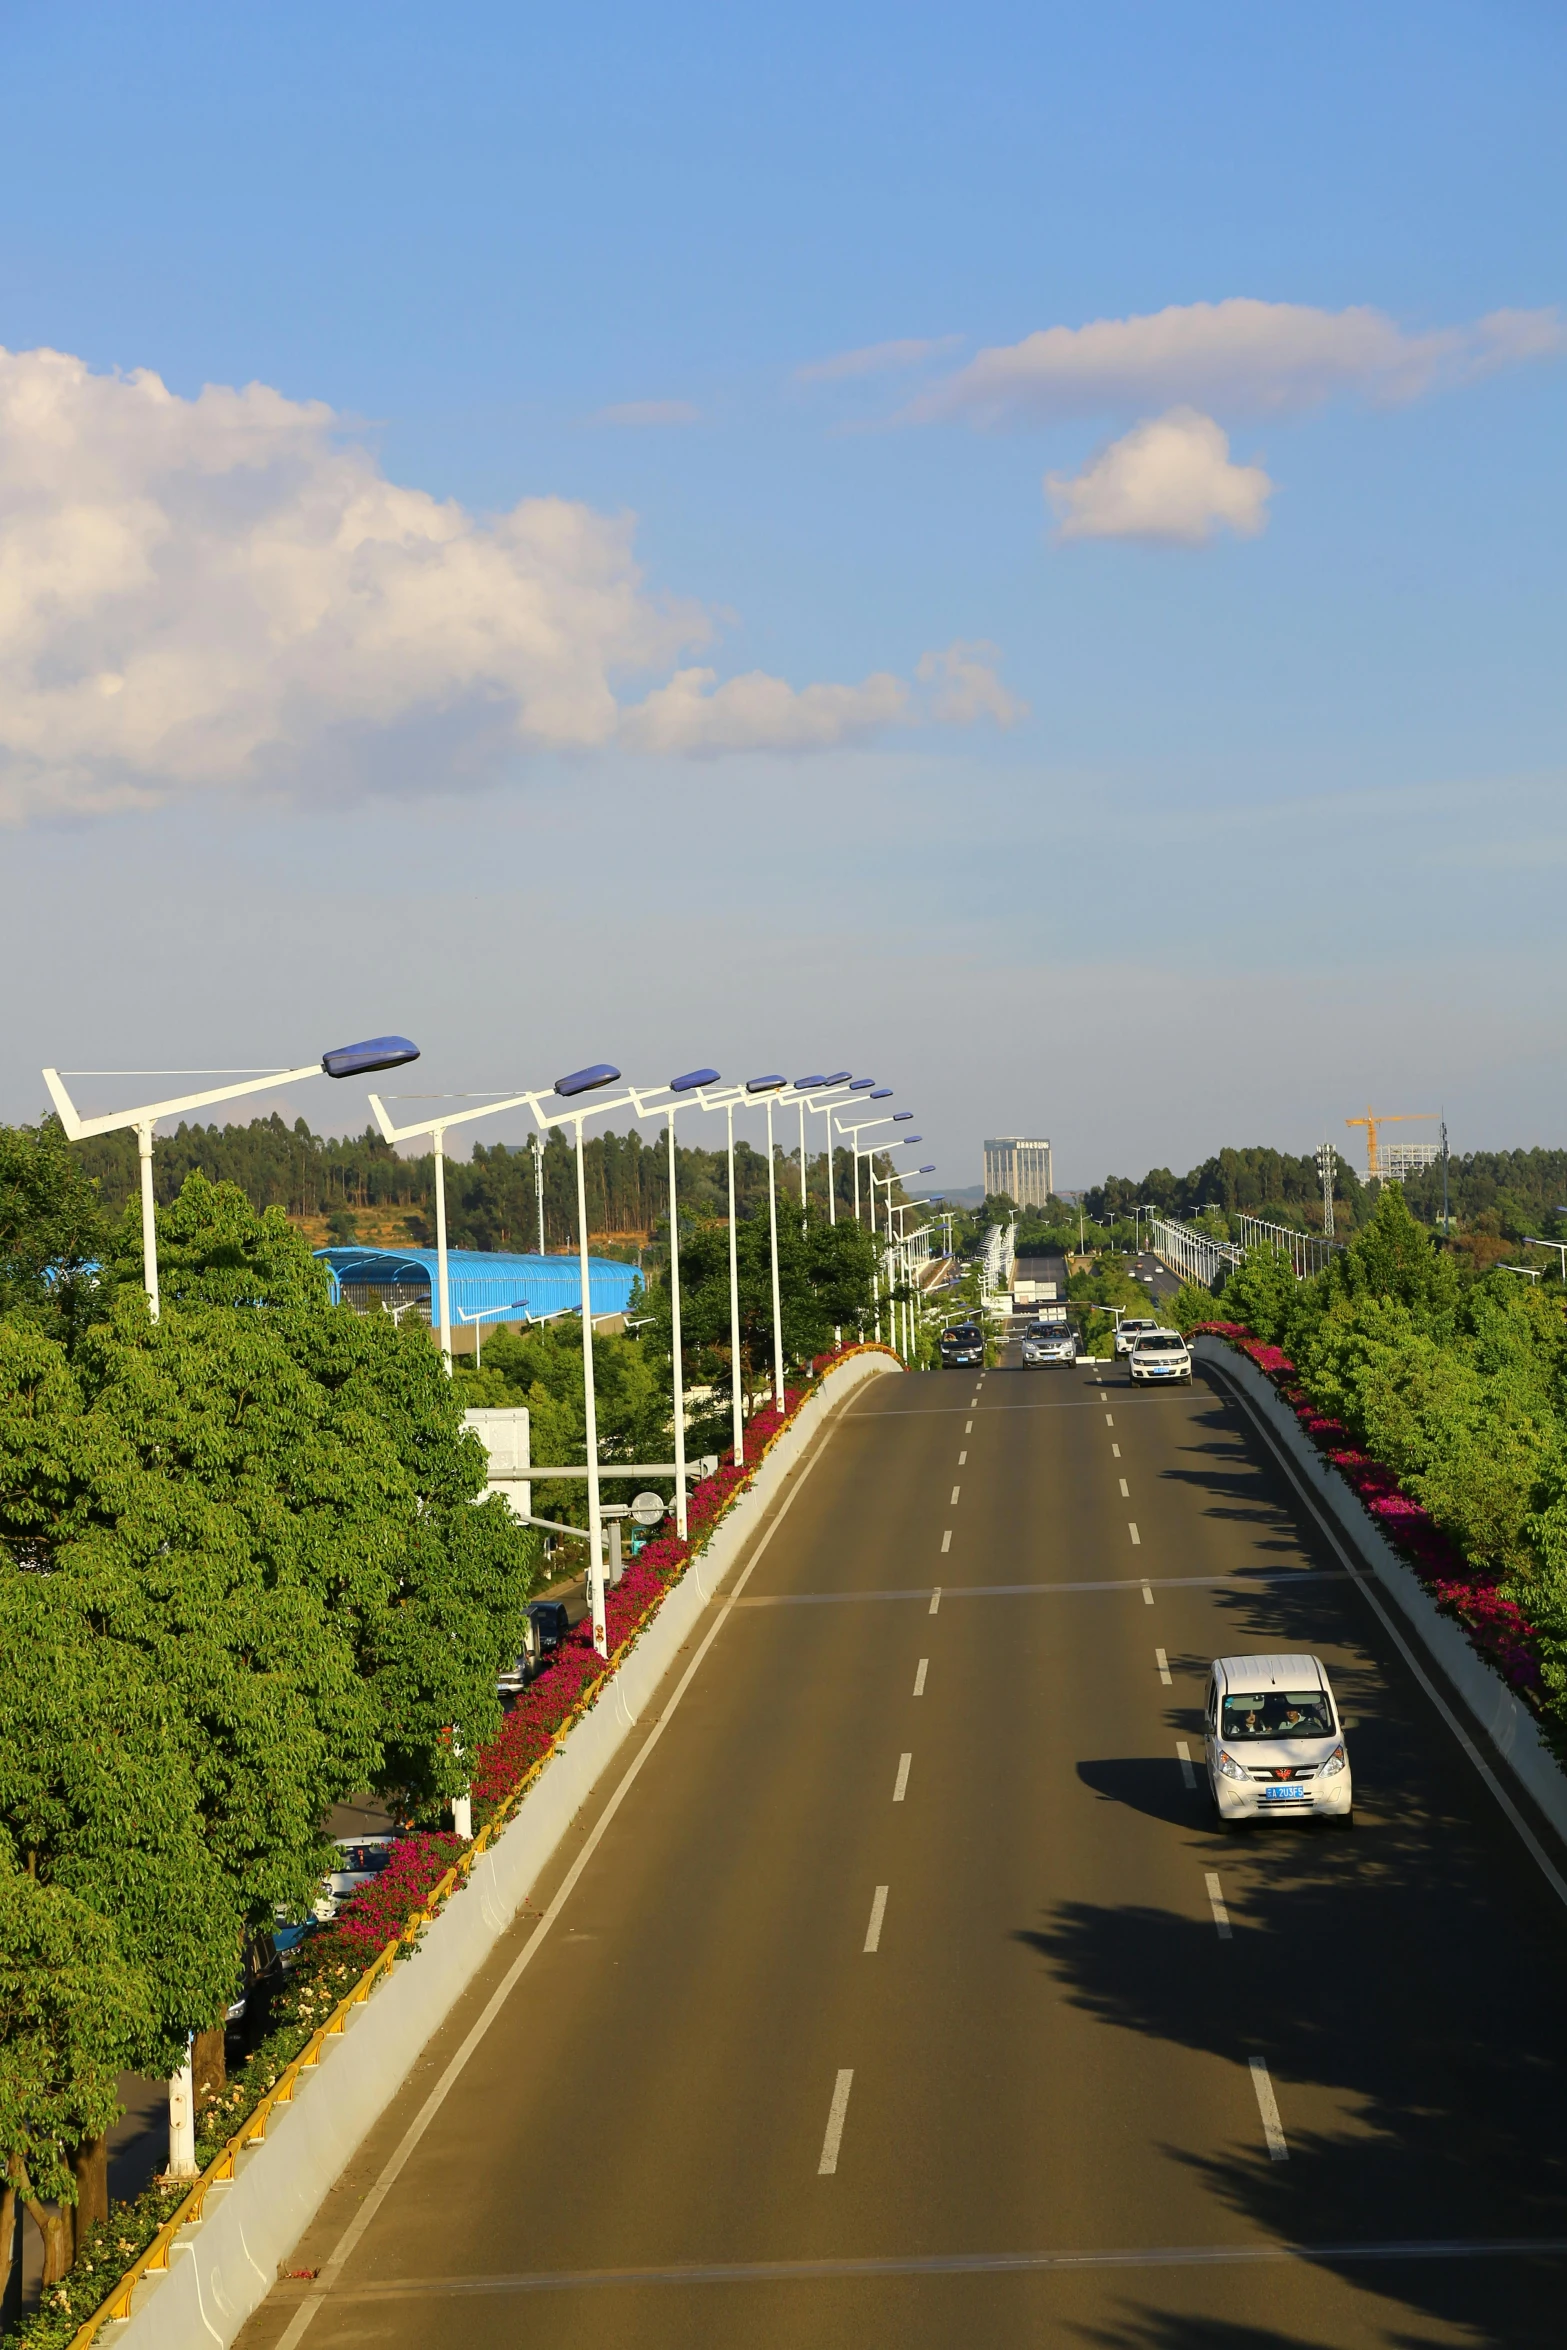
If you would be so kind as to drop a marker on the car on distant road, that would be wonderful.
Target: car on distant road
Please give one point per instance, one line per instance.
(1129, 1329)
(1273, 1740)
(963, 1343)
(1050, 1342)
(1160, 1354)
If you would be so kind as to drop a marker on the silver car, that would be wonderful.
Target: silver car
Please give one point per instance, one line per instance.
(1050, 1342)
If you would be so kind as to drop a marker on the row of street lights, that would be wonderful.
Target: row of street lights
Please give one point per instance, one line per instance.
(567, 1104)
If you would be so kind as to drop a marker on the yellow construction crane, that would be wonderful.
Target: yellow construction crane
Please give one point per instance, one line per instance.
(1375, 1118)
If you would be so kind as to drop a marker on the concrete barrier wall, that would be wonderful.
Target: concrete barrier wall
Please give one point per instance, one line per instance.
(1508, 1724)
(223, 2268)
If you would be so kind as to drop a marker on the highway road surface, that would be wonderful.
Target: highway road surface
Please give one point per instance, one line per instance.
(911, 1997)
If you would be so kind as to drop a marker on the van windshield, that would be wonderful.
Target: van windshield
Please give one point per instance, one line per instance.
(1277, 1713)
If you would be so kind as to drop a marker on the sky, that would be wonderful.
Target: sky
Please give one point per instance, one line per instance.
(1021, 556)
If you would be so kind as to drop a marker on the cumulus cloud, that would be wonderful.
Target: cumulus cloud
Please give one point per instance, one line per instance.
(1239, 355)
(875, 359)
(216, 592)
(696, 715)
(649, 412)
(1168, 481)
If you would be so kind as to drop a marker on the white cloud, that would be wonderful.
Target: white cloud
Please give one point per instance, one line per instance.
(875, 359)
(649, 412)
(225, 591)
(968, 686)
(1239, 355)
(1169, 480)
(696, 715)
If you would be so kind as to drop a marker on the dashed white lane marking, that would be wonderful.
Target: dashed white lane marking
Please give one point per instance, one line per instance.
(935, 1599)
(1163, 1663)
(968, 1427)
(956, 1490)
(1131, 1528)
(1109, 1419)
(1183, 1755)
(1126, 1491)
(919, 1678)
(901, 1784)
(1221, 1916)
(835, 2115)
(946, 1542)
(878, 1912)
(1148, 1595)
(963, 1460)
(1115, 1452)
(1268, 2107)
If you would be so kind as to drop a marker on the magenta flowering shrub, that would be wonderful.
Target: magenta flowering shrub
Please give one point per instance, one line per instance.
(370, 1918)
(1495, 1624)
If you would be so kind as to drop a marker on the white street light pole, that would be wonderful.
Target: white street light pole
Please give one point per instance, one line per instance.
(538, 1183)
(349, 1060)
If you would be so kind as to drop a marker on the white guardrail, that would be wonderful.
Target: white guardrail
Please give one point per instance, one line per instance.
(1196, 1256)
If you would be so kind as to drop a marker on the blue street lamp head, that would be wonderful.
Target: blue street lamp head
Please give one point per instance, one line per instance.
(765, 1084)
(905, 1141)
(861, 1084)
(925, 1170)
(360, 1060)
(586, 1080)
(883, 1093)
(838, 1077)
(692, 1079)
(902, 1117)
(805, 1084)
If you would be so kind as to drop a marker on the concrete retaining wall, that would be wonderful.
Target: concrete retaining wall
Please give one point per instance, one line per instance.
(223, 2267)
(1510, 1726)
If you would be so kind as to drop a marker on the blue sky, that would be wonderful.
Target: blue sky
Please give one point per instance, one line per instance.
(1200, 798)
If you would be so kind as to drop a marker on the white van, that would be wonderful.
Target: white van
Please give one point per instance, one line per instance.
(1273, 1740)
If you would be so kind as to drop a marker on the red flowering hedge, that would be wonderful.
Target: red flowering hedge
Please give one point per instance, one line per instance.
(566, 1683)
(1495, 1624)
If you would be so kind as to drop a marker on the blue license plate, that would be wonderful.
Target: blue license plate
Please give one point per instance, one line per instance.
(1284, 1794)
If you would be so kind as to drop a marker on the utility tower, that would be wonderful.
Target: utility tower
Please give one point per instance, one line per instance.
(1327, 1162)
(1375, 1118)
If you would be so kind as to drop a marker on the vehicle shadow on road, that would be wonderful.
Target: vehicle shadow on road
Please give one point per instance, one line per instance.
(1143, 2329)
(1143, 1782)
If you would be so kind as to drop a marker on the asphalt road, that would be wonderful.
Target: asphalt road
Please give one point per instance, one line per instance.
(709, 2113)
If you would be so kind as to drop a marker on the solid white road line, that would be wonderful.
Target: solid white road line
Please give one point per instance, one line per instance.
(1163, 1663)
(956, 1490)
(1221, 1916)
(946, 1542)
(1148, 1595)
(1183, 1755)
(1268, 2107)
(835, 2113)
(878, 1912)
(331, 2269)
(1126, 1491)
(919, 1678)
(1131, 1528)
(901, 1784)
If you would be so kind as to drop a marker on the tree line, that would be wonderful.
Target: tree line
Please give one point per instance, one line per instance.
(492, 1199)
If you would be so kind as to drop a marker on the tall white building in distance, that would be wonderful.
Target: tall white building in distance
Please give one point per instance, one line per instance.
(1020, 1169)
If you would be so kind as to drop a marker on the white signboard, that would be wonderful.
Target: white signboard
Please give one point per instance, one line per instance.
(504, 1436)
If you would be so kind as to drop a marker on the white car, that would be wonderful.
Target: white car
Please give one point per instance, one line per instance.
(1274, 1740)
(1129, 1330)
(1160, 1354)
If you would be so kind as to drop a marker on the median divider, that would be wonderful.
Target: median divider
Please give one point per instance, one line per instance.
(219, 2254)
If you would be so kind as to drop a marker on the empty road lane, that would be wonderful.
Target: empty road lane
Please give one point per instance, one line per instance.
(911, 1996)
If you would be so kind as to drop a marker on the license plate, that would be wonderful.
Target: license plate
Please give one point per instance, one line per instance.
(1284, 1794)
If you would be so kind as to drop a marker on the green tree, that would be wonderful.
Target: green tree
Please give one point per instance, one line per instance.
(52, 1226)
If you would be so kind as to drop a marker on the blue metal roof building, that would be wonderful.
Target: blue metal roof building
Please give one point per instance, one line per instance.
(499, 1288)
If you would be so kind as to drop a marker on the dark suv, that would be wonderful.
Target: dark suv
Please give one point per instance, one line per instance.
(963, 1343)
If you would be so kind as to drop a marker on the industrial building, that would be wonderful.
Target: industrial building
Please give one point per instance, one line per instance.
(1019, 1169)
(486, 1289)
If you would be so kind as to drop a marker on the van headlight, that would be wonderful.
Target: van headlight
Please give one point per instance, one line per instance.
(1336, 1762)
(1228, 1767)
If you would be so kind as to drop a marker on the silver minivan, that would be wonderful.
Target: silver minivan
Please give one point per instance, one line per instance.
(1273, 1741)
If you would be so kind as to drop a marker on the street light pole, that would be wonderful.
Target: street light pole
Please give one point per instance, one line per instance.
(348, 1060)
